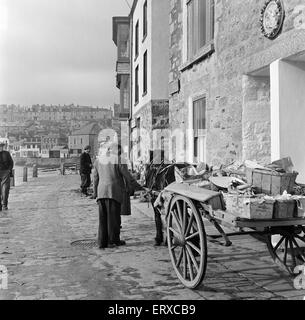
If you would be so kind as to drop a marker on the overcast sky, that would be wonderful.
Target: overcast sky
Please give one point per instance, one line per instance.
(58, 51)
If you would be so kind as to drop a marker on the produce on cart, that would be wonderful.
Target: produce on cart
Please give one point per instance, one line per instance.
(246, 197)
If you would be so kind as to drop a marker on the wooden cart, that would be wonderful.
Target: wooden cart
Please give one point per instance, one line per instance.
(191, 206)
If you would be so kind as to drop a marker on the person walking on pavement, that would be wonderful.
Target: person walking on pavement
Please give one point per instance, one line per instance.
(6, 167)
(85, 170)
(108, 188)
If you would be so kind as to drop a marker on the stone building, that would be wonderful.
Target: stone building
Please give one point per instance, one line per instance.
(149, 76)
(237, 80)
(52, 140)
(79, 139)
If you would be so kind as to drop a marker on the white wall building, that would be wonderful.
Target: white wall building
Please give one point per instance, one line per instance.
(149, 74)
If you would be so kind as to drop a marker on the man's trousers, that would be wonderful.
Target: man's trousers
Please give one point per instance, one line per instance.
(109, 222)
(4, 187)
(85, 182)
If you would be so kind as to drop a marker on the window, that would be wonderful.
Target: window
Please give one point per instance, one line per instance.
(174, 148)
(199, 125)
(145, 20)
(200, 25)
(162, 148)
(145, 73)
(138, 125)
(126, 94)
(137, 85)
(123, 47)
(137, 39)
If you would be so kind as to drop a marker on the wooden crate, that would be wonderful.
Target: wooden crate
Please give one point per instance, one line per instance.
(249, 207)
(271, 182)
(284, 209)
(301, 207)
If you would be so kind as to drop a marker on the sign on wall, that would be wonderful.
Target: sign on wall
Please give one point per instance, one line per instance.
(272, 18)
(160, 114)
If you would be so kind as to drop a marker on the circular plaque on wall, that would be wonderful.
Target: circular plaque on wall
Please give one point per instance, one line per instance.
(272, 18)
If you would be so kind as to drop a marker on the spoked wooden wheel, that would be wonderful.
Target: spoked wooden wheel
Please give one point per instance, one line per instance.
(287, 247)
(187, 242)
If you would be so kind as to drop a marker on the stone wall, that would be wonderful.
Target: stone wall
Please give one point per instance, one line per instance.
(240, 48)
(256, 119)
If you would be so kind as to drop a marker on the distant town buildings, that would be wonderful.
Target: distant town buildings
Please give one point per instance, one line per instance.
(43, 131)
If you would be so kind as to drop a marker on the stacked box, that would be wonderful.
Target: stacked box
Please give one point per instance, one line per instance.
(301, 207)
(285, 209)
(249, 207)
(271, 182)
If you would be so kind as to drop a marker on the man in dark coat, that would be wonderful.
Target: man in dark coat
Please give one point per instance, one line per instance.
(6, 167)
(109, 188)
(85, 170)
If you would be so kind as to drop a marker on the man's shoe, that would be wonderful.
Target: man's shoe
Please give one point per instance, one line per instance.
(121, 243)
(0, 208)
(5, 208)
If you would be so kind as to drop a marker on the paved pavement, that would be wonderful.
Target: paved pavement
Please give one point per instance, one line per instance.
(47, 214)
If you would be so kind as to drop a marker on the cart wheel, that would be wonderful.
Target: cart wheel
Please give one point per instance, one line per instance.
(288, 251)
(187, 243)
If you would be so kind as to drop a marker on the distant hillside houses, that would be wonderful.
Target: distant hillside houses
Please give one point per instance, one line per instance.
(43, 120)
(13, 113)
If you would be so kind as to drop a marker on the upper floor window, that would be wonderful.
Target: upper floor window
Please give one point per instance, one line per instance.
(145, 73)
(123, 42)
(138, 125)
(126, 95)
(145, 19)
(137, 85)
(200, 25)
(137, 39)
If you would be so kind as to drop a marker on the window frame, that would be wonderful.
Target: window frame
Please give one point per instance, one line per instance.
(195, 24)
(202, 51)
(201, 132)
(145, 20)
(145, 75)
(137, 91)
(137, 40)
(138, 126)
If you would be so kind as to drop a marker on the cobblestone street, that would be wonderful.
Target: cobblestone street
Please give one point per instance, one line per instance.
(47, 214)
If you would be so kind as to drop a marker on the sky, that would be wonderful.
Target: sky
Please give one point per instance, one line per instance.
(58, 51)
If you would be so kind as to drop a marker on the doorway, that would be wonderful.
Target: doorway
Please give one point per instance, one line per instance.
(287, 79)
